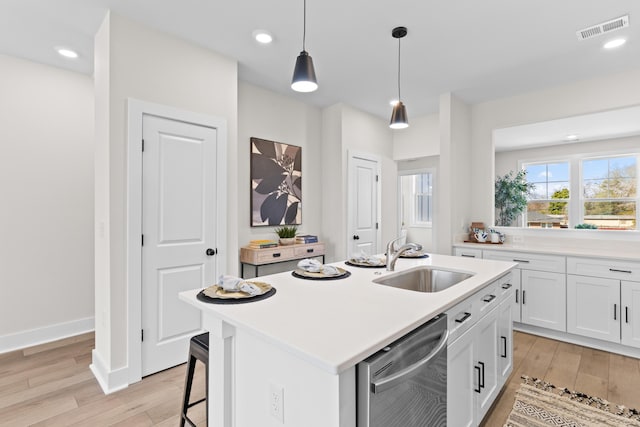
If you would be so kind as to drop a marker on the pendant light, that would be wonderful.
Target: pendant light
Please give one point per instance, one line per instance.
(304, 76)
(399, 118)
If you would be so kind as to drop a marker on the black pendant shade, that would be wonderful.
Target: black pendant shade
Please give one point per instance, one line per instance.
(399, 119)
(304, 75)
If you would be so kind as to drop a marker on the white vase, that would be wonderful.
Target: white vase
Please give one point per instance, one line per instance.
(284, 241)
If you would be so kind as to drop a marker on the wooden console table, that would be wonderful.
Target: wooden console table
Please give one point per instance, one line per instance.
(259, 257)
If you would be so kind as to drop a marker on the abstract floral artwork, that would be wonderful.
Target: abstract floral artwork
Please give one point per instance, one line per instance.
(276, 183)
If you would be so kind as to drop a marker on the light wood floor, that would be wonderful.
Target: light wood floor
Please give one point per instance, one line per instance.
(594, 372)
(51, 384)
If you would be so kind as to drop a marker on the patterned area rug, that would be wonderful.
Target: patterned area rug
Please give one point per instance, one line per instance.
(541, 404)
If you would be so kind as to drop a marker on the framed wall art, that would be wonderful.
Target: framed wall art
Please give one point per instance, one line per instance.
(276, 183)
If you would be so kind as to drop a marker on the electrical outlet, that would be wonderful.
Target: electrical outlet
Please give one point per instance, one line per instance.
(276, 401)
(518, 239)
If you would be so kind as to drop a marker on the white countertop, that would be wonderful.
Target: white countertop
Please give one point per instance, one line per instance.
(603, 249)
(335, 324)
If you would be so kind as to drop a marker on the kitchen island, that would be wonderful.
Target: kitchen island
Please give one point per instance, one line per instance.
(304, 342)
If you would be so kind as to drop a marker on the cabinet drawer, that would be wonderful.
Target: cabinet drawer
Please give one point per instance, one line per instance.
(488, 298)
(529, 261)
(274, 255)
(310, 250)
(468, 252)
(607, 268)
(460, 318)
(506, 286)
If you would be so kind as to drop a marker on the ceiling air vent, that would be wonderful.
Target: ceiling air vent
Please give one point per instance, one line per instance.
(603, 28)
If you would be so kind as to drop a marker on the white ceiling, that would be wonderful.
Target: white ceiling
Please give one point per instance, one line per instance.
(479, 50)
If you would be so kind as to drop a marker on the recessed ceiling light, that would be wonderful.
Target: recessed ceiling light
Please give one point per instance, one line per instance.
(67, 53)
(571, 137)
(262, 36)
(614, 43)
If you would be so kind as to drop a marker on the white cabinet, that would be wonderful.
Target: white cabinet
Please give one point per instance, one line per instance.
(486, 362)
(593, 307)
(600, 303)
(461, 407)
(505, 340)
(480, 333)
(540, 288)
(630, 316)
(468, 252)
(544, 299)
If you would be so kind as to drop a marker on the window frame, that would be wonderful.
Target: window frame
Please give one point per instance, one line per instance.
(576, 196)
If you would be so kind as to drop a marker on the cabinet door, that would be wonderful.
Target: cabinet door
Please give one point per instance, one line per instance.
(505, 341)
(544, 299)
(593, 307)
(486, 359)
(461, 381)
(630, 297)
(516, 298)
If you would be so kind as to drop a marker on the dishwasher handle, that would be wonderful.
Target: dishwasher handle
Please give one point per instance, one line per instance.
(393, 380)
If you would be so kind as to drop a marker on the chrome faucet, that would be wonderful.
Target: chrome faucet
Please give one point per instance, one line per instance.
(392, 256)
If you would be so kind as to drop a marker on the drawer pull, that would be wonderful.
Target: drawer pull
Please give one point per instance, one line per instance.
(522, 261)
(276, 255)
(506, 286)
(489, 298)
(468, 255)
(309, 251)
(615, 270)
(463, 318)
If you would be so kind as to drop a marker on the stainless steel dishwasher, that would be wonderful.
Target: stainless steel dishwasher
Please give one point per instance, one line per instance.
(405, 383)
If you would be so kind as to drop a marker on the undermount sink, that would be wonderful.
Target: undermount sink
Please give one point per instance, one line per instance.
(423, 279)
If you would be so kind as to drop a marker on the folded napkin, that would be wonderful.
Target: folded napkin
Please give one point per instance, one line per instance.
(310, 265)
(231, 284)
(363, 258)
(313, 266)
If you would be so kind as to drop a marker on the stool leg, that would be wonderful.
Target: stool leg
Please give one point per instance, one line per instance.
(206, 402)
(191, 366)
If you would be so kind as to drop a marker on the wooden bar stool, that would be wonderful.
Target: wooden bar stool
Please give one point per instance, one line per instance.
(198, 350)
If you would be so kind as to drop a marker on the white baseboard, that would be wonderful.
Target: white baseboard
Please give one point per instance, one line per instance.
(24, 339)
(110, 381)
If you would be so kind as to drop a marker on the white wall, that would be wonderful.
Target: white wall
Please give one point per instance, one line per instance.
(261, 114)
(345, 129)
(420, 139)
(587, 96)
(46, 183)
(137, 62)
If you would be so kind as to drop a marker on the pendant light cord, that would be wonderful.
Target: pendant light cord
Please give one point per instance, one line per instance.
(304, 24)
(399, 98)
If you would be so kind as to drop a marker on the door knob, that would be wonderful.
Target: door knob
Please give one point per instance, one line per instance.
(356, 237)
(211, 252)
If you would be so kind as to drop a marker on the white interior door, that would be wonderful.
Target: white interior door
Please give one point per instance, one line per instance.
(178, 226)
(363, 215)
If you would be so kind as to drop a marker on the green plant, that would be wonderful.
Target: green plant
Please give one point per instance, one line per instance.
(286, 232)
(586, 226)
(511, 193)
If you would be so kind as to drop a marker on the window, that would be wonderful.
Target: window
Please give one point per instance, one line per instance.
(417, 199)
(548, 204)
(604, 191)
(609, 188)
(423, 199)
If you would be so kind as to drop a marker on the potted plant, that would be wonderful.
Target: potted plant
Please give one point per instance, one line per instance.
(287, 234)
(511, 193)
